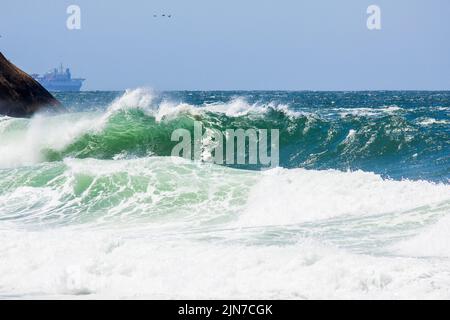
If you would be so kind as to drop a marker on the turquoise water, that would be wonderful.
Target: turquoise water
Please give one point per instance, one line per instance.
(396, 134)
(92, 204)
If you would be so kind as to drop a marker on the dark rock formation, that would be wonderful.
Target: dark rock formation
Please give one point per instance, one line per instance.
(20, 94)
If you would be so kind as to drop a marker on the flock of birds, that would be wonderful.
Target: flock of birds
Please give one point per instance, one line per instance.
(163, 15)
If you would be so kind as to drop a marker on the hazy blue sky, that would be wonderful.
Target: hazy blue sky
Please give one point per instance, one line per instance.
(234, 44)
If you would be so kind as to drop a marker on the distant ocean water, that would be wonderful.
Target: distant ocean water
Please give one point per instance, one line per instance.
(91, 204)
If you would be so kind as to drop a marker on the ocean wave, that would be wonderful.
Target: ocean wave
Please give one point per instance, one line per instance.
(94, 228)
(92, 205)
(299, 195)
(138, 125)
(154, 189)
(181, 191)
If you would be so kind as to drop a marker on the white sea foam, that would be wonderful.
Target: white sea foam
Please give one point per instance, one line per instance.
(432, 121)
(369, 112)
(142, 188)
(434, 241)
(164, 242)
(71, 263)
(234, 108)
(144, 99)
(297, 195)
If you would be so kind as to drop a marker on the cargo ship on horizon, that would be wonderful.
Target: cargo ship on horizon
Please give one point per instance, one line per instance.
(59, 80)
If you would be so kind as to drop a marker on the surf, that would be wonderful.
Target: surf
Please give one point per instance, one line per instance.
(139, 124)
(93, 203)
(162, 189)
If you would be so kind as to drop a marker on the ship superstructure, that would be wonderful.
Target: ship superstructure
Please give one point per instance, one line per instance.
(59, 79)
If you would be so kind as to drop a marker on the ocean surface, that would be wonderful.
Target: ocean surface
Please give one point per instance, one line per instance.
(92, 205)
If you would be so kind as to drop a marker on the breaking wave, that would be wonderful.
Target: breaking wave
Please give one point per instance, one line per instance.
(91, 203)
(134, 125)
